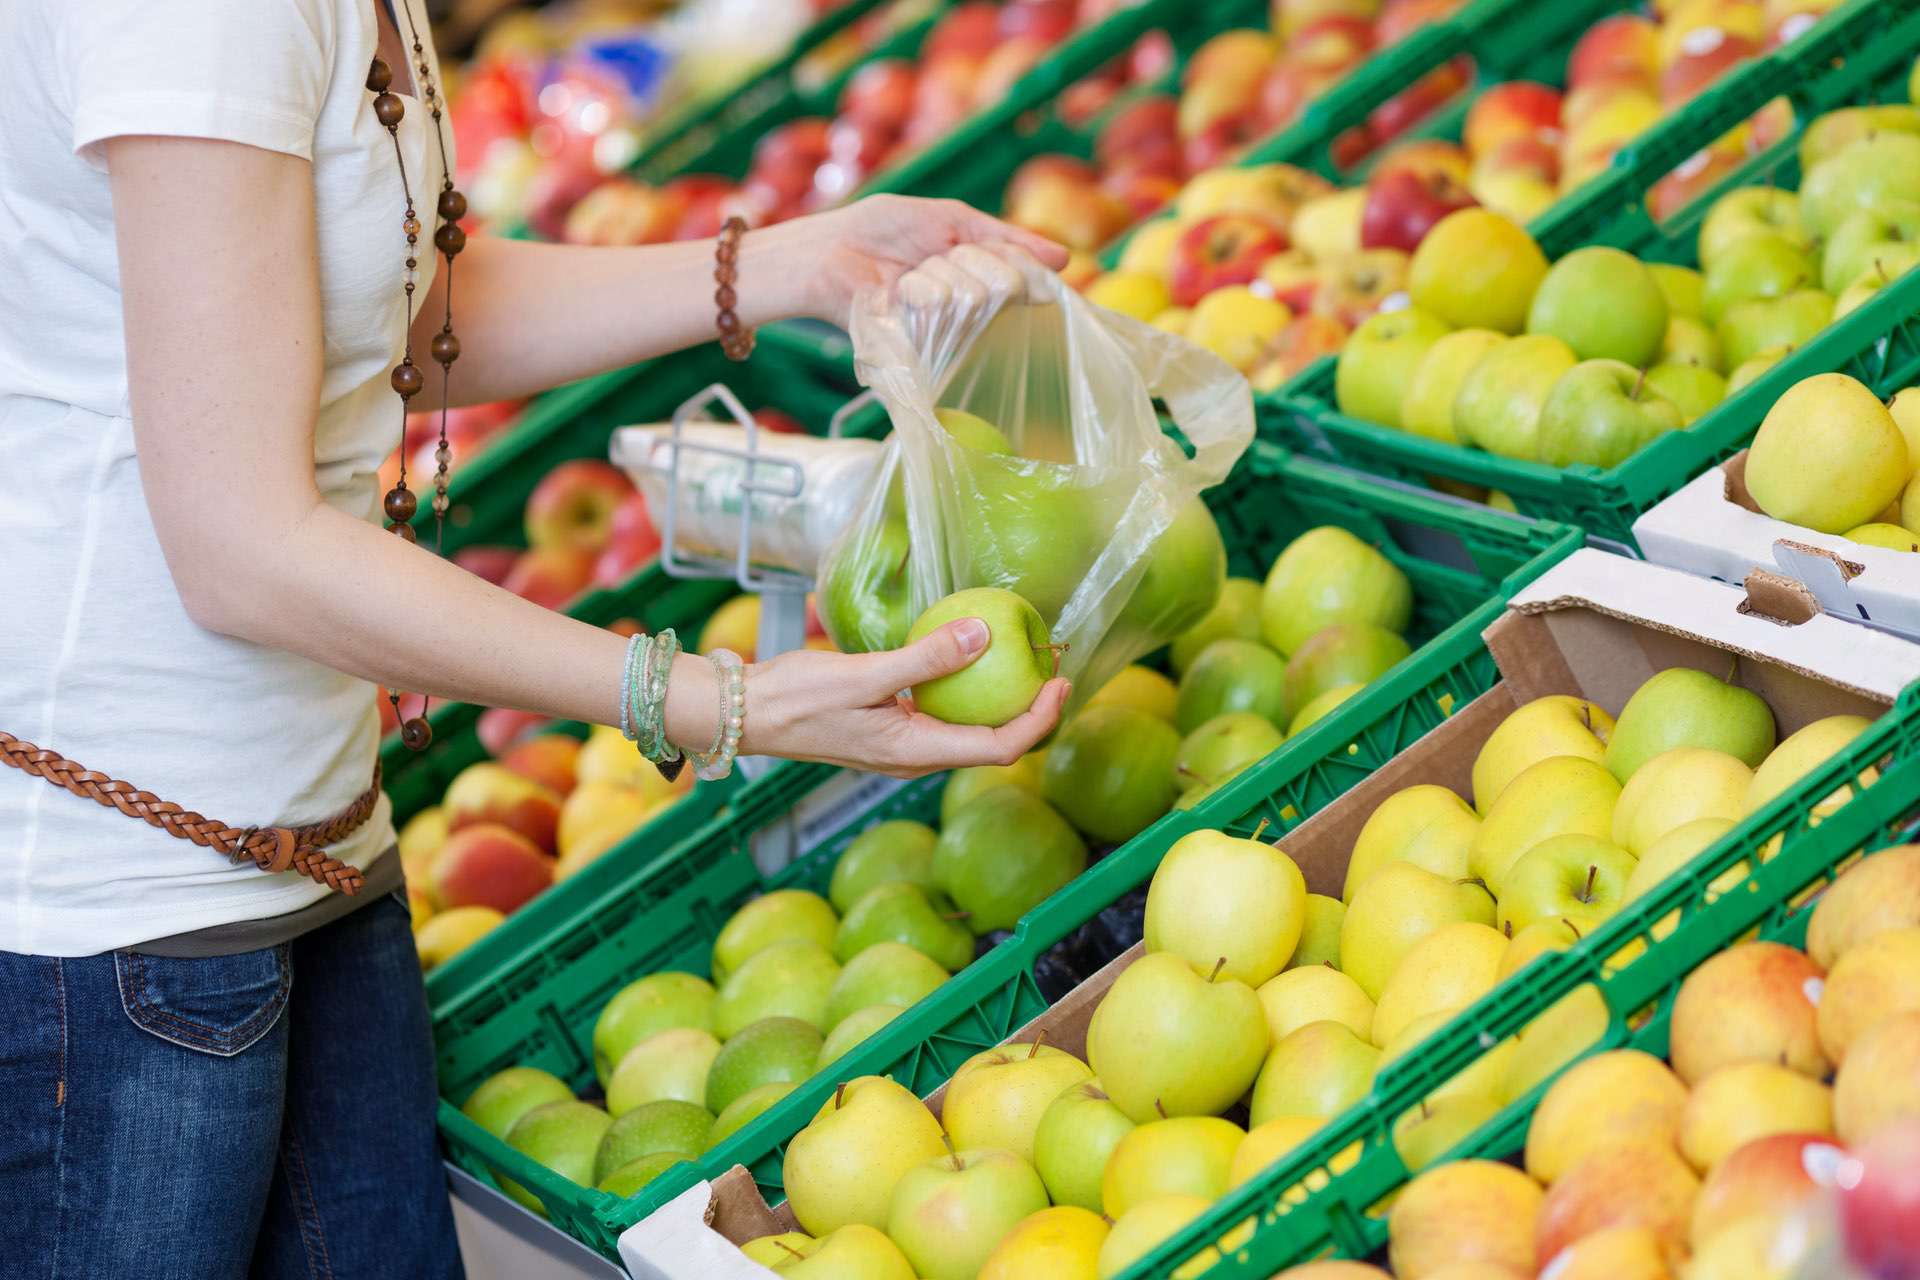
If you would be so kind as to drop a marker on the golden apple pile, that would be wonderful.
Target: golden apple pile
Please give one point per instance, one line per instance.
(1830, 456)
(507, 829)
(1636, 1169)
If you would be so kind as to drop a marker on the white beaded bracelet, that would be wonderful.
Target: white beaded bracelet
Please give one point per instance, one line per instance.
(717, 762)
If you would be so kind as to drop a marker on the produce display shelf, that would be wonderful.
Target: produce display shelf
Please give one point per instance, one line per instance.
(665, 915)
(1859, 53)
(1635, 973)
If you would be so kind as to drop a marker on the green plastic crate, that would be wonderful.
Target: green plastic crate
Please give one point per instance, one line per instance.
(666, 915)
(1339, 1217)
(1861, 52)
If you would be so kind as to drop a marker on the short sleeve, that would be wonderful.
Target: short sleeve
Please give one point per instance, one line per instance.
(250, 71)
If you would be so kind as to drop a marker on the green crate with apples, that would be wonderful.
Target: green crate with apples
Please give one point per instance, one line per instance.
(542, 1012)
(1858, 56)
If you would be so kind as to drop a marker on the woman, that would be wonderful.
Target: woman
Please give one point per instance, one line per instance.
(214, 1069)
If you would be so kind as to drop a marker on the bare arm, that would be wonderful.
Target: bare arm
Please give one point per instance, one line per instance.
(224, 355)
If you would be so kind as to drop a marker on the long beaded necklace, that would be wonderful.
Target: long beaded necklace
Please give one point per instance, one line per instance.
(407, 380)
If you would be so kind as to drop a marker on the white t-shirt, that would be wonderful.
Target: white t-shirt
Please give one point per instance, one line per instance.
(98, 659)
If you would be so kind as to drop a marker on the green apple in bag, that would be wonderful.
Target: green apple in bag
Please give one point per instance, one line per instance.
(864, 595)
(1184, 573)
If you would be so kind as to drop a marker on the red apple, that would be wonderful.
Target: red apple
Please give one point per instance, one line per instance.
(1428, 158)
(1351, 146)
(1292, 278)
(1045, 171)
(1049, 21)
(1707, 54)
(1305, 339)
(1221, 142)
(1076, 215)
(1150, 58)
(1222, 250)
(702, 197)
(1402, 206)
(944, 96)
(573, 505)
(498, 728)
(771, 419)
(550, 576)
(1769, 124)
(491, 563)
(1517, 109)
(632, 543)
(1695, 174)
(1287, 89)
(798, 144)
(1332, 42)
(1625, 46)
(1535, 157)
(1081, 101)
(626, 627)
(556, 189)
(1004, 67)
(622, 211)
(1415, 103)
(1401, 18)
(881, 93)
(1150, 124)
(1143, 190)
(1880, 1202)
(971, 29)
(1356, 285)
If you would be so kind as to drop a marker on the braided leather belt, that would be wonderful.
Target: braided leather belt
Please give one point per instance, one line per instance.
(270, 848)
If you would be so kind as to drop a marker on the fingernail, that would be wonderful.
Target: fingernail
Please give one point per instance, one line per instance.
(972, 633)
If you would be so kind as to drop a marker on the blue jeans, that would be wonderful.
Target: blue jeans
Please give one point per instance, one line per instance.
(269, 1114)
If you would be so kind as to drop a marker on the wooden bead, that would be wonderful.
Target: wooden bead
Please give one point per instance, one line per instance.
(417, 734)
(450, 239)
(400, 504)
(445, 348)
(389, 110)
(410, 225)
(723, 297)
(405, 532)
(407, 379)
(453, 205)
(379, 76)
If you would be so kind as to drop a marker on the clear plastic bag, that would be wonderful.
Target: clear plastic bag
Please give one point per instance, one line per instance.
(1073, 517)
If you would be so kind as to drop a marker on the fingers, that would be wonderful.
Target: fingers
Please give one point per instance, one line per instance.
(939, 653)
(935, 744)
(984, 228)
(966, 281)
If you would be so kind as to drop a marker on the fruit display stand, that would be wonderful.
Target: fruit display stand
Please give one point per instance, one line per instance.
(666, 915)
(1858, 54)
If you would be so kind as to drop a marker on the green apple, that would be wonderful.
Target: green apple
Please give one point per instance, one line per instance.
(1141, 1229)
(654, 1003)
(1427, 409)
(1235, 615)
(1231, 906)
(1320, 935)
(843, 1166)
(1167, 1041)
(1579, 878)
(505, 1096)
(1338, 655)
(785, 915)
(1905, 409)
(1560, 795)
(1320, 1069)
(785, 980)
(1077, 1132)
(971, 431)
(976, 780)
(1476, 270)
(885, 853)
(1005, 678)
(1681, 287)
(627, 1179)
(1803, 750)
(1426, 825)
(1763, 361)
(851, 1030)
(781, 1251)
(1690, 341)
(1752, 326)
(1604, 304)
(1187, 1155)
(884, 973)
(1556, 725)
(1747, 211)
(1182, 580)
(1498, 406)
(1327, 575)
(748, 1107)
(1601, 413)
(1447, 970)
(1893, 537)
(1872, 172)
(1832, 132)
(1316, 993)
(668, 1064)
(1397, 906)
(1222, 747)
(921, 918)
(1110, 772)
(1828, 455)
(1319, 708)
(854, 1252)
(1002, 854)
(1377, 364)
(1231, 675)
(949, 1213)
(1141, 688)
(865, 590)
(1694, 389)
(1863, 236)
(668, 1125)
(1682, 707)
(1029, 528)
(1888, 265)
(1676, 788)
(770, 1051)
(997, 1098)
(563, 1136)
(1761, 265)
(1429, 1131)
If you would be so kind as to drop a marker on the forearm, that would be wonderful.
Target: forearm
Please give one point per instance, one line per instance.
(531, 316)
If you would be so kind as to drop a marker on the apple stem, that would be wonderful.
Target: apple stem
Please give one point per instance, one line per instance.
(782, 1244)
(1733, 668)
(1218, 965)
(840, 1095)
(1161, 1109)
(1057, 648)
(1037, 1041)
(1586, 894)
(957, 915)
(952, 1154)
(900, 565)
(1426, 1112)
(1258, 829)
(1586, 714)
(1507, 926)
(1574, 928)
(1639, 384)
(1881, 267)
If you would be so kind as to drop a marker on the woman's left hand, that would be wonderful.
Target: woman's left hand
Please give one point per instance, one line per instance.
(873, 243)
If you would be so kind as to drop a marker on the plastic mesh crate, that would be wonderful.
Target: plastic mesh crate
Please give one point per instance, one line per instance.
(666, 915)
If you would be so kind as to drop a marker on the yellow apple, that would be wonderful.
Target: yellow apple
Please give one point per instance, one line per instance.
(1620, 1097)
(1617, 1253)
(1317, 993)
(1132, 293)
(1677, 787)
(1751, 1249)
(1328, 227)
(1149, 250)
(1219, 898)
(1556, 725)
(996, 1098)
(1749, 1100)
(1139, 687)
(1320, 934)
(1828, 455)
(1237, 324)
(1878, 1085)
(1427, 407)
(1871, 897)
(1135, 1233)
(1319, 1070)
(1468, 1211)
(1062, 1243)
(1187, 1155)
(1642, 1184)
(1450, 968)
(1426, 825)
(1567, 1028)
(1477, 270)
(1561, 795)
(1799, 754)
(1393, 910)
(843, 1166)
(1878, 977)
(1755, 1002)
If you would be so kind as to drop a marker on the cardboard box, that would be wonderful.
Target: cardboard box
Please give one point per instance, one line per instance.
(1714, 528)
(1596, 625)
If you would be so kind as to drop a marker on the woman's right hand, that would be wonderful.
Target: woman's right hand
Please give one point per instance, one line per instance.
(848, 709)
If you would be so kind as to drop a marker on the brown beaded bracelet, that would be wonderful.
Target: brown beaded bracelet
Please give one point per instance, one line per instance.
(734, 340)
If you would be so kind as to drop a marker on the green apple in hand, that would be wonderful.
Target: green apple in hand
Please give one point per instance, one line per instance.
(668, 1125)
(1751, 326)
(1345, 653)
(884, 973)
(1320, 1069)
(770, 1051)
(973, 432)
(1428, 407)
(1007, 676)
(1396, 907)
(1077, 1132)
(865, 593)
(852, 1030)
(788, 979)
(1694, 389)
(1601, 413)
(1235, 615)
(1167, 1041)
(1110, 772)
(505, 1096)
(949, 1213)
(1222, 747)
(1761, 265)
(1183, 577)
(1578, 878)
(1875, 172)
(785, 915)
(1861, 237)
(1602, 303)
(1747, 211)
(1002, 854)
(1682, 707)
(1498, 406)
(843, 1166)
(563, 1136)
(998, 1097)
(1377, 364)
(1218, 900)
(1231, 675)
(669, 1064)
(1327, 575)
(921, 918)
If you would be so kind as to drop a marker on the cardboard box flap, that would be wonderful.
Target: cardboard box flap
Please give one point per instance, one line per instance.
(698, 1233)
